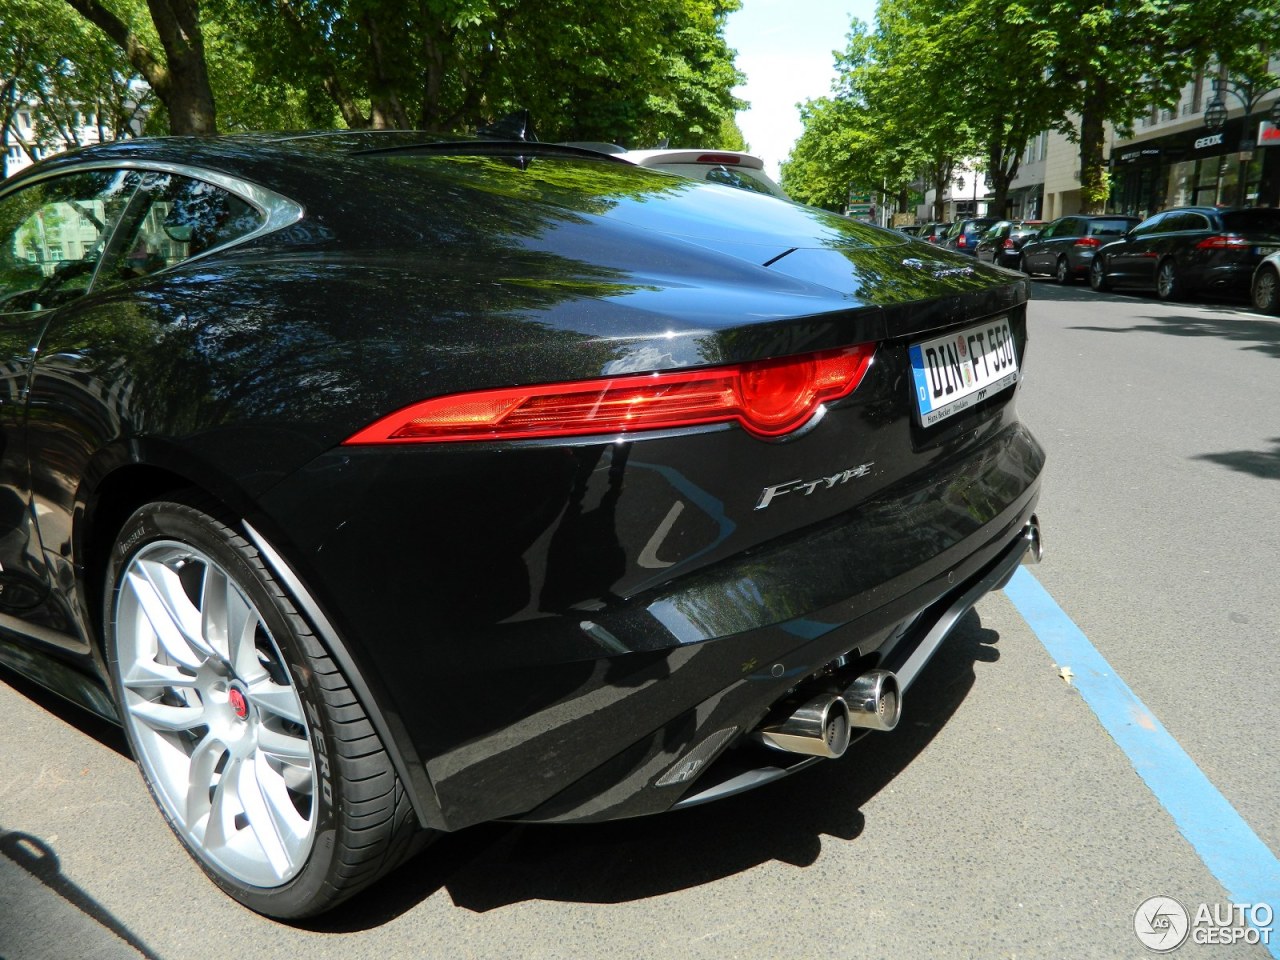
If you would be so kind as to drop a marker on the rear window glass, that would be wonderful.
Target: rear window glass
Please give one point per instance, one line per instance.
(1110, 228)
(1257, 220)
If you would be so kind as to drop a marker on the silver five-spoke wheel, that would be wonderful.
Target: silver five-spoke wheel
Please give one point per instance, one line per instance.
(218, 726)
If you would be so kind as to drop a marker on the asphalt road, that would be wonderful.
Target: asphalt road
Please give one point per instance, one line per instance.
(1000, 820)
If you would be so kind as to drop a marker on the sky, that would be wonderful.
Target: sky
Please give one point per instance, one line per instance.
(785, 47)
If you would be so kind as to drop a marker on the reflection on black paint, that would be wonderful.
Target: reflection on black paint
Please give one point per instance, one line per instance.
(585, 558)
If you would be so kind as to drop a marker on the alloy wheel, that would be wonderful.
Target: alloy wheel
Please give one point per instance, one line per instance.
(1266, 291)
(216, 720)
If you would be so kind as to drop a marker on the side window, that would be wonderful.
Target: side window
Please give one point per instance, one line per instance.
(1050, 231)
(1184, 221)
(179, 218)
(52, 235)
(1150, 225)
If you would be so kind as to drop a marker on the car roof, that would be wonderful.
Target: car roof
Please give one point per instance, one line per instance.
(244, 153)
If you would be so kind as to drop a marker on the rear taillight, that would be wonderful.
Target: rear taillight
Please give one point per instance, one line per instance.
(1009, 244)
(1223, 242)
(767, 397)
(962, 241)
(1087, 242)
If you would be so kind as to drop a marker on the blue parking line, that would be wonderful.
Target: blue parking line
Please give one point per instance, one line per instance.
(1242, 863)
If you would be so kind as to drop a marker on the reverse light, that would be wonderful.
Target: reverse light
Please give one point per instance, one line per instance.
(769, 398)
(1221, 242)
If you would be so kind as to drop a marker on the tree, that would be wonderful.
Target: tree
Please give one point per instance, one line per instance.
(634, 72)
(888, 122)
(175, 67)
(68, 74)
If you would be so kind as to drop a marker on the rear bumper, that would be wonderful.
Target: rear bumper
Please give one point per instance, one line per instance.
(717, 692)
(1234, 277)
(625, 705)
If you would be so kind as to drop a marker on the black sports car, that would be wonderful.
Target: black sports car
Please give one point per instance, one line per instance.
(381, 485)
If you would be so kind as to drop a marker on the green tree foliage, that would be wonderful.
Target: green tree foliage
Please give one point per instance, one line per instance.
(51, 60)
(885, 124)
(635, 71)
(944, 79)
(164, 42)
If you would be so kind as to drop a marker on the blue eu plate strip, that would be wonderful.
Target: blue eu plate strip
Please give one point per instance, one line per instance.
(1242, 863)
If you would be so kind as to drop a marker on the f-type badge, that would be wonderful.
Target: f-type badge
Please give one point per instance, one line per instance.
(939, 270)
(808, 487)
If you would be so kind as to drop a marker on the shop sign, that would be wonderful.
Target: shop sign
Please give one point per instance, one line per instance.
(1146, 153)
(1213, 140)
(1268, 134)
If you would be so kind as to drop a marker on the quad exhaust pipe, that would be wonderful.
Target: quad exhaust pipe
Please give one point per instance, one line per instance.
(821, 726)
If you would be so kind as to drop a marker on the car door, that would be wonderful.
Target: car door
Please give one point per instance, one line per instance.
(1035, 253)
(92, 386)
(53, 233)
(1131, 262)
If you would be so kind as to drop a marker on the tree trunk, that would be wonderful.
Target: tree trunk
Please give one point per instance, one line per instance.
(181, 82)
(1095, 182)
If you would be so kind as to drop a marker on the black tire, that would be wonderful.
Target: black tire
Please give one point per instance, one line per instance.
(256, 709)
(1168, 283)
(1062, 272)
(1266, 290)
(1098, 277)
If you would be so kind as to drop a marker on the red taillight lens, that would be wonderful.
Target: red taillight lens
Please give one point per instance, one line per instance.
(719, 158)
(1008, 243)
(962, 241)
(1087, 242)
(768, 397)
(1222, 242)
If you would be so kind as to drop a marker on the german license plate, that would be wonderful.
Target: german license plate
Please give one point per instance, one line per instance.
(954, 372)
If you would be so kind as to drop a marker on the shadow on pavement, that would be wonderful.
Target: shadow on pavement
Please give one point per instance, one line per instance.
(35, 887)
(497, 865)
(1259, 463)
(88, 723)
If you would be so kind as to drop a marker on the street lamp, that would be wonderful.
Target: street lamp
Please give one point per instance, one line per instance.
(1215, 114)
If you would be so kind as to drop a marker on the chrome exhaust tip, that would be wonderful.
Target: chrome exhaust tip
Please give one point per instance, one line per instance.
(820, 728)
(1035, 544)
(874, 700)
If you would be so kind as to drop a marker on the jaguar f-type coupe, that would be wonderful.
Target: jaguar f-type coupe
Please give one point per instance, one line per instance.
(379, 485)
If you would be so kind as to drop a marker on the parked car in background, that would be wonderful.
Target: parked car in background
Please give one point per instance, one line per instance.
(1265, 289)
(963, 235)
(380, 484)
(1002, 243)
(1187, 250)
(729, 167)
(933, 232)
(1065, 248)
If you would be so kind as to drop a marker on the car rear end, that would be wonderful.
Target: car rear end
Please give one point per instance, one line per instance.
(683, 491)
(1226, 259)
(728, 167)
(1097, 233)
